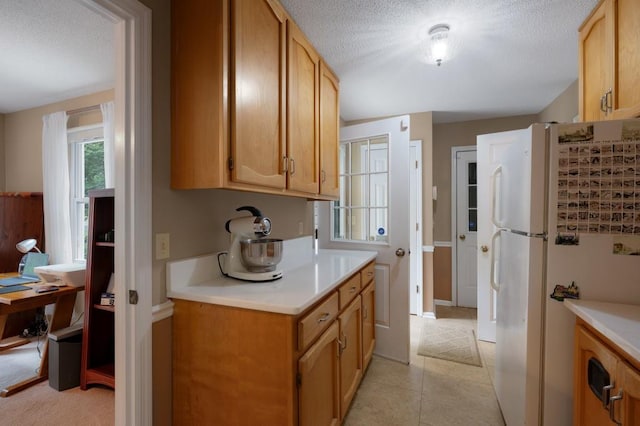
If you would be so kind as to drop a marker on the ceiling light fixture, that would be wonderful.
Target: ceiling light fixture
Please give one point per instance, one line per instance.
(439, 40)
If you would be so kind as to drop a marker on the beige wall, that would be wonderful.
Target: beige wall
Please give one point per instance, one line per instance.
(195, 218)
(2, 165)
(162, 371)
(446, 136)
(23, 141)
(564, 108)
(421, 128)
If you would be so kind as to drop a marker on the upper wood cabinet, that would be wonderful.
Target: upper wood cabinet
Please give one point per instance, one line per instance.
(303, 67)
(258, 52)
(609, 58)
(245, 99)
(329, 131)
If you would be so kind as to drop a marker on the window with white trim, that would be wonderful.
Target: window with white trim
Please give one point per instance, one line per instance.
(86, 172)
(361, 213)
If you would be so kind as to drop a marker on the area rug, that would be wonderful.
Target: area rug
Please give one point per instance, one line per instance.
(449, 343)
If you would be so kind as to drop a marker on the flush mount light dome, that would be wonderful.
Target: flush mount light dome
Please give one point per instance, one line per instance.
(439, 43)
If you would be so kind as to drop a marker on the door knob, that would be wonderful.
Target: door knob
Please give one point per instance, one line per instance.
(484, 249)
(400, 252)
(462, 237)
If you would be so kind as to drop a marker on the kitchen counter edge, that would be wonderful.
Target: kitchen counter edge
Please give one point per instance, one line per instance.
(617, 321)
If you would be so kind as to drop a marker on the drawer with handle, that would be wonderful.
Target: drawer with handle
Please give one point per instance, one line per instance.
(349, 290)
(368, 273)
(315, 322)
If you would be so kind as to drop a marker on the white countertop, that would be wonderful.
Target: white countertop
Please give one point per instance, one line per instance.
(307, 278)
(620, 323)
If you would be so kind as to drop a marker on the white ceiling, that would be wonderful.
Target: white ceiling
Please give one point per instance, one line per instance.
(52, 50)
(512, 57)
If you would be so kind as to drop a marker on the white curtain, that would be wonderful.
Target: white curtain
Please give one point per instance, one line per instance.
(55, 173)
(109, 150)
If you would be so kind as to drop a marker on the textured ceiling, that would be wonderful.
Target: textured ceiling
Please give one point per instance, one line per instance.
(52, 50)
(512, 57)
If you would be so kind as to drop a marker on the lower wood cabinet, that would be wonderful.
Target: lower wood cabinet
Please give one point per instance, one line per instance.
(606, 385)
(234, 366)
(350, 353)
(368, 322)
(319, 385)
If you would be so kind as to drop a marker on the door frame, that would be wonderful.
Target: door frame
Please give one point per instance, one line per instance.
(133, 183)
(416, 196)
(454, 219)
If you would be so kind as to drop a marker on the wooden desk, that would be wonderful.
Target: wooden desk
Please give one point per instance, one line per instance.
(64, 300)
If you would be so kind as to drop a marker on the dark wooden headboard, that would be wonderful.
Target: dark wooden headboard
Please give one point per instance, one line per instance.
(21, 217)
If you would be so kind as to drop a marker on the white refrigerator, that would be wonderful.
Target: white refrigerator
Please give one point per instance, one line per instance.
(564, 207)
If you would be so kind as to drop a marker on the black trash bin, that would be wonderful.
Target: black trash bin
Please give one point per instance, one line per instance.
(65, 351)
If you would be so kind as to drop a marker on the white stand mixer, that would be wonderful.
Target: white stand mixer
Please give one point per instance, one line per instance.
(251, 257)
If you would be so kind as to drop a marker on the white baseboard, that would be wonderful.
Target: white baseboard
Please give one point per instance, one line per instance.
(430, 315)
(443, 302)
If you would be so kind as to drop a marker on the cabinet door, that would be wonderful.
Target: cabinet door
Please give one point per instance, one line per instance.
(302, 112)
(626, 90)
(629, 379)
(595, 63)
(258, 93)
(588, 408)
(318, 390)
(350, 353)
(368, 323)
(329, 131)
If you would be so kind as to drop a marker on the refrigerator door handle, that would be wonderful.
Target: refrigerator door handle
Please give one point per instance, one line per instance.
(494, 190)
(492, 277)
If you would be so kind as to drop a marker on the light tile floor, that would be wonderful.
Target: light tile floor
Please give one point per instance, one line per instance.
(429, 391)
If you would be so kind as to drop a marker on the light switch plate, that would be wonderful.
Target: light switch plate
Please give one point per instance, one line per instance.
(162, 246)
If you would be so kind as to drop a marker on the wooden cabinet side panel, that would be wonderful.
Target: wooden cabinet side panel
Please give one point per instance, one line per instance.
(199, 113)
(588, 409)
(303, 65)
(627, 57)
(594, 64)
(232, 366)
(329, 131)
(258, 93)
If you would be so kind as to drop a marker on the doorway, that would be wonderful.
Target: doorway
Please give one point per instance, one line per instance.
(131, 23)
(464, 226)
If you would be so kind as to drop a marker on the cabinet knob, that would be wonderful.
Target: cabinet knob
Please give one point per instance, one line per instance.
(484, 249)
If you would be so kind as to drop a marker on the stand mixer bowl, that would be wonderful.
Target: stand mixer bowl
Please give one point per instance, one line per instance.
(261, 255)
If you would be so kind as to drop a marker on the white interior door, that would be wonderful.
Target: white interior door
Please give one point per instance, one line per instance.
(415, 233)
(372, 214)
(466, 226)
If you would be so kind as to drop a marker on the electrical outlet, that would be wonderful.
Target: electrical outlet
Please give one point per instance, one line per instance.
(162, 246)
